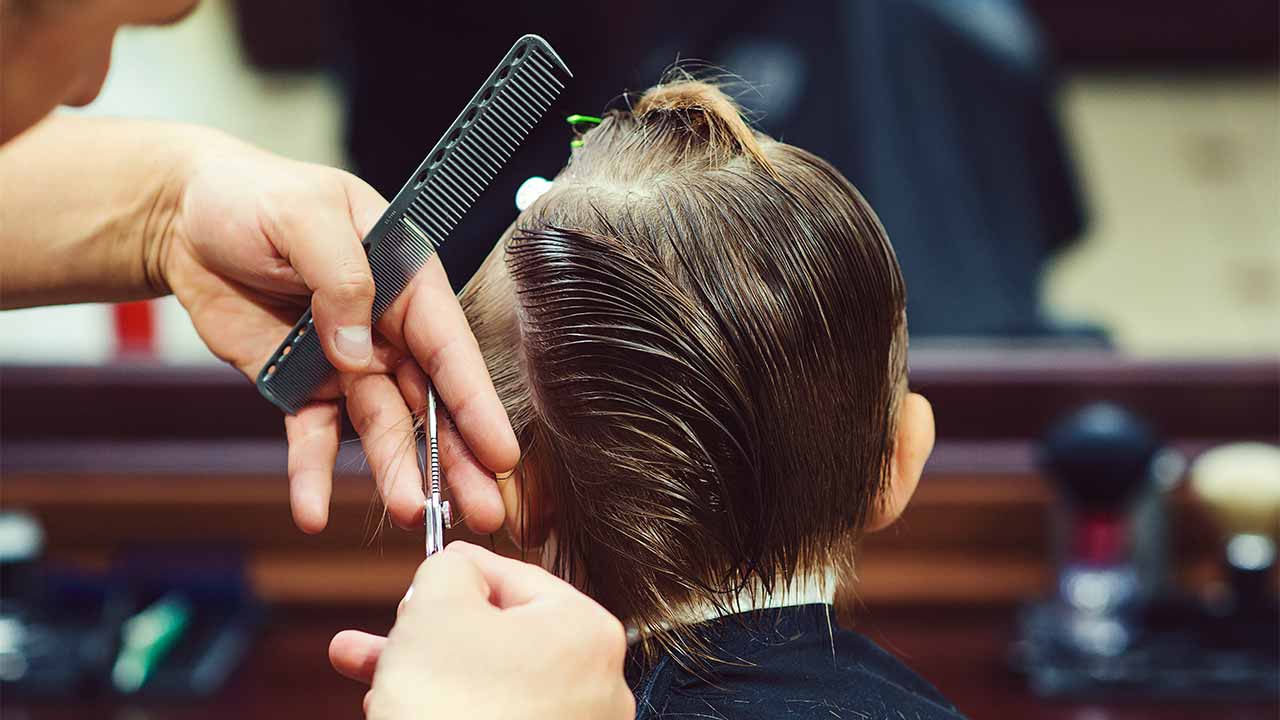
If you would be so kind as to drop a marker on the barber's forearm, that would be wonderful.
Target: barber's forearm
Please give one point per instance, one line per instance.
(85, 205)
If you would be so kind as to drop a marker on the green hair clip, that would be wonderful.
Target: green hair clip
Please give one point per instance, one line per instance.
(576, 121)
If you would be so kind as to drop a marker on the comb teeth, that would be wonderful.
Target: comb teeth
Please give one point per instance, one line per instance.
(403, 251)
(428, 208)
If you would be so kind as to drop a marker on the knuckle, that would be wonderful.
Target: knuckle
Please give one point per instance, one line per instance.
(441, 356)
(308, 432)
(347, 383)
(453, 451)
(367, 420)
(356, 286)
(604, 634)
(466, 407)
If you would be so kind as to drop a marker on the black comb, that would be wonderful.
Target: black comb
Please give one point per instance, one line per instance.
(425, 211)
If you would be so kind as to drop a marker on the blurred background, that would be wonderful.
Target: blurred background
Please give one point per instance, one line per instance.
(1084, 199)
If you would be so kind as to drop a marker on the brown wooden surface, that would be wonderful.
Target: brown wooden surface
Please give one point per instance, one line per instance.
(1161, 34)
(115, 457)
(986, 394)
(1113, 34)
(966, 537)
(961, 650)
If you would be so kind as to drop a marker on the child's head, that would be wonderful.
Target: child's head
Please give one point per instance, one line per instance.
(700, 338)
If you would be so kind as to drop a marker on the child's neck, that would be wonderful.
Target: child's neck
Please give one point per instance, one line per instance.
(804, 589)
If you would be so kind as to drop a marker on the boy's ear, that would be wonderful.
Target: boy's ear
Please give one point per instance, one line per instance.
(911, 449)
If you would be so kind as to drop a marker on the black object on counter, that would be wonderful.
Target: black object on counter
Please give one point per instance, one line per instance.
(1100, 457)
(1112, 628)
(173, 623)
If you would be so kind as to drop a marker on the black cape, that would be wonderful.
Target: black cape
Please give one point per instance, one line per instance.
(792, 662)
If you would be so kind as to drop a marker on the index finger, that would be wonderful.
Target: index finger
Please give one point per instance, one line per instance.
(436, 332)
(472, 487)
(355, 654)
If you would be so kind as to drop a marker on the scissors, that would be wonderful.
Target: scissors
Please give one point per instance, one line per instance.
(437, 515)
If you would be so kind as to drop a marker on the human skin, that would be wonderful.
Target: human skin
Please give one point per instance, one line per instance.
(438, 656)
(98, 209)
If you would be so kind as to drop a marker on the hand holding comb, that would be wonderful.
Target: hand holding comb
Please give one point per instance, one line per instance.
(430, 205)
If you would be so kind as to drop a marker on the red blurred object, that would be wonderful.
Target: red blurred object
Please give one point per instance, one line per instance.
(135, 328)
(1101, 538)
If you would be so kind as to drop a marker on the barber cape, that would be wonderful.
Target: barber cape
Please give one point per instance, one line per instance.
(792, 661)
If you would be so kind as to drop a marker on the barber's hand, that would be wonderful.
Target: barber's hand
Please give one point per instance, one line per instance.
(255, 238)
(483, 636)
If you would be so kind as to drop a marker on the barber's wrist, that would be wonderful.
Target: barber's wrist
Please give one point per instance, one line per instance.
(163, 229)
(160, 223)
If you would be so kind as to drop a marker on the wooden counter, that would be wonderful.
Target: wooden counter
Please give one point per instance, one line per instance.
(124, 456)
(960, 650)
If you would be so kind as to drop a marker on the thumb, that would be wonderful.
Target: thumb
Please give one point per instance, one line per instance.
(332, 262)
(444, 579)
(367, 204)
(511, 583)
(325, 248)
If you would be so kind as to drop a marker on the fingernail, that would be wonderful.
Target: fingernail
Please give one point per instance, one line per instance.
(355, 342)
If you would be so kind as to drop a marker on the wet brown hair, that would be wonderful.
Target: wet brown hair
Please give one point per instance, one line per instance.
(699, 335)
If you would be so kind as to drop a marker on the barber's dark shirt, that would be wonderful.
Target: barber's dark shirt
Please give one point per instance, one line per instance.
(790, 662)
